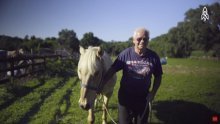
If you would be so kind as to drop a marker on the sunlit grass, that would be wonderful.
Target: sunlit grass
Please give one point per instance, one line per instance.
(50, 111)
(17, 110)
(192, 80)
(186, 83)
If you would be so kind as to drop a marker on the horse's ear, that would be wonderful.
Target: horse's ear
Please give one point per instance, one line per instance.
(100, 52)
(81, 50)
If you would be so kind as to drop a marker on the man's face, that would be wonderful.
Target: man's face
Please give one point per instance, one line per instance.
(140, 40)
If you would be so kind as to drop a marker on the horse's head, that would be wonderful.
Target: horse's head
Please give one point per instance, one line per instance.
(90, 72)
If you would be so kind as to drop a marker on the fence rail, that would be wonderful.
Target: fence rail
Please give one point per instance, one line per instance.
(29, 64)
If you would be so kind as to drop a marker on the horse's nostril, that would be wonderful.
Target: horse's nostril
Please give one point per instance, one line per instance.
(81, 106)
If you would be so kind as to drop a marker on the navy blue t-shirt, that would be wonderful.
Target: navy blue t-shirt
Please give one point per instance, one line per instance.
(137, 73)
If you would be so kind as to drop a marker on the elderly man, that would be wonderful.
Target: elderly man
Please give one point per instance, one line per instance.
(138, 64)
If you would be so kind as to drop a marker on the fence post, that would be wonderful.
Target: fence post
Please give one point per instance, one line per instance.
(44, 63)
(32, 66)
(12, 71)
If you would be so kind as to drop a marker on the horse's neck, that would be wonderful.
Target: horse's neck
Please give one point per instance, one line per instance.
(106, 61)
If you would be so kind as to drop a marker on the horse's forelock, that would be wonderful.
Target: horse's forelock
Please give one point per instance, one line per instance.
(89, 61)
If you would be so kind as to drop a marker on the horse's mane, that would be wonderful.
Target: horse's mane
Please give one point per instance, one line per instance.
(89, 61)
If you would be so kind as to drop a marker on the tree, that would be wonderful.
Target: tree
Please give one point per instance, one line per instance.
(50, 43)
(10, 43)
(90, 40)
(161, 45)
(69, 40)
(204, 33)
(192, 34)
(34, 44)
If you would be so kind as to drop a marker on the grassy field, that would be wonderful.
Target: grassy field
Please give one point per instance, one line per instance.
(189, 93)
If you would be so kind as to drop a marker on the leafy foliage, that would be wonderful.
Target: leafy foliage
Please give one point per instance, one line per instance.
(191, 34)
(63, 68)
(69, 40)
(90, 40)
(10, 43)
(114, 48)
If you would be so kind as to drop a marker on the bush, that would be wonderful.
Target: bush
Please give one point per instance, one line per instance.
(61, 67)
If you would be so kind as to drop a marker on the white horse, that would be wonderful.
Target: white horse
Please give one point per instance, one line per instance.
(15, 53)
(92, 66)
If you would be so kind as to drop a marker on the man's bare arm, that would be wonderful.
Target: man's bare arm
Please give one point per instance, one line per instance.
(108, 75)
(156, 85)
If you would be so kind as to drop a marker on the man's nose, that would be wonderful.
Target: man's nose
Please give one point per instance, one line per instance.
(142, 40)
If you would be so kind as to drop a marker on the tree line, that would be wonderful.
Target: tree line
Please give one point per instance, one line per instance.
(67, 40)
(190, 35)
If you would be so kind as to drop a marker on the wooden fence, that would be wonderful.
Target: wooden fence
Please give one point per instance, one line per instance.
(31, 65)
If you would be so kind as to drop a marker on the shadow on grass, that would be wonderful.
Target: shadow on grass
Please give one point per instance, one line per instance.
(36, 107)
(18, 91)
(66, 101)
(182, 112)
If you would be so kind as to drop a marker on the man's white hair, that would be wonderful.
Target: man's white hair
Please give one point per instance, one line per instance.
(138, 30)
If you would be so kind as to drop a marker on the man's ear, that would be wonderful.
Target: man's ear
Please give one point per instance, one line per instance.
(100, 52)
(81, 50)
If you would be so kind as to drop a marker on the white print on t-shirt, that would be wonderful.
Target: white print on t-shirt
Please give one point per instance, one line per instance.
(138, 69)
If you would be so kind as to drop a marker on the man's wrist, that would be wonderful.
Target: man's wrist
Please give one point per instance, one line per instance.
(153, 92)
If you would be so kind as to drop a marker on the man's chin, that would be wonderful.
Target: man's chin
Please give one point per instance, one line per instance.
(141, 46)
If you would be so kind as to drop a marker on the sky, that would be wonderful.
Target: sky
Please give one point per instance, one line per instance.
(107, 19)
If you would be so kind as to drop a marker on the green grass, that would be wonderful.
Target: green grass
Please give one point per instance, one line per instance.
(199, 53)
(53, 103)
(189, 86)
(19, 109)
(189, 93)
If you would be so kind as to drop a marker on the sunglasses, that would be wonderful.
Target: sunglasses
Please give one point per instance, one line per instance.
(139, 39)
